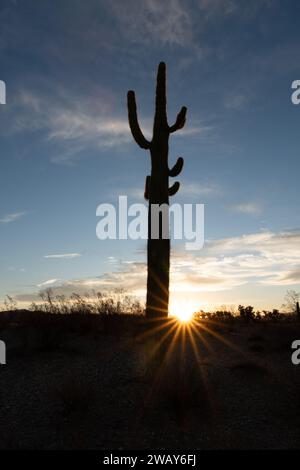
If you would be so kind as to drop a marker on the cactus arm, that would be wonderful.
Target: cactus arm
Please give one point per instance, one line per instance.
(180, 120)
(174, 188)
(133, 122)
(177, 168)
(147, 188)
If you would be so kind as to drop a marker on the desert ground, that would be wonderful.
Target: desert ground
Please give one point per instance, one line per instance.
(88, 382)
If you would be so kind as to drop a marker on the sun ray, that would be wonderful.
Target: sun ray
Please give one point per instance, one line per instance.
(204, 376)
(223, 340)
(202, 338)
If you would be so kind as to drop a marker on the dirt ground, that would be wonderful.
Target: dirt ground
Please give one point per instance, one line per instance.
(211, 386)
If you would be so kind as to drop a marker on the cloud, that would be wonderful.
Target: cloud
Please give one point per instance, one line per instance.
(12, 217)
(50, 282)
(75, 121)
(153, 21)
(193, 189)
(292, 277)
(71, 126)
(236, 101)
(251, 208)
(271, 258)
(112, 259)
(264, 258)
(175, 23)
(14, 269)
(224, 9)
(198, 129)
(220, 8)
(63, 256)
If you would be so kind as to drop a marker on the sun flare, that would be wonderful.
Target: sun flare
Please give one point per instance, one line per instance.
(183, 311)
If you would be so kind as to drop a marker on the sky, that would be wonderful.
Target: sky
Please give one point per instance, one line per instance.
(66, 145)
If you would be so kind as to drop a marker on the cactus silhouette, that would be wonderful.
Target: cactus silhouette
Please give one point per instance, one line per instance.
(157, 191)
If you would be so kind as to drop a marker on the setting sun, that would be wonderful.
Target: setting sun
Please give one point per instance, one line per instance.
(183, 311)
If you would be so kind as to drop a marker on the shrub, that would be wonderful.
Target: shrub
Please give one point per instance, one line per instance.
(246, 313)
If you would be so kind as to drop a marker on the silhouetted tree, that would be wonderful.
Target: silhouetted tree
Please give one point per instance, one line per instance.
(157, 191)
(247, 313)
(290, 301)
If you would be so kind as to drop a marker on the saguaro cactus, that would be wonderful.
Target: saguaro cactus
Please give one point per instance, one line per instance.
(157, 191)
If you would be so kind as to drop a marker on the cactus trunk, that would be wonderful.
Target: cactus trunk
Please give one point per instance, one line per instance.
(157, 191)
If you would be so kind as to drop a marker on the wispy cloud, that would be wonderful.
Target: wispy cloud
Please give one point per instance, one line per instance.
(252, 208)
(188, 189)
(236, 101)
(48, 283)
(222, 8)
(70, 126)
(174, 23)
(68, 120)
(63, 256)
(14, 269)
(196, 130)
(271, 258)
(76, 123)
(148, 21)
(193, 189)
(12, 217)
(265, 258)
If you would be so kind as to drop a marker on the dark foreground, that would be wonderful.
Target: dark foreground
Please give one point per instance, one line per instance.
(88, 383)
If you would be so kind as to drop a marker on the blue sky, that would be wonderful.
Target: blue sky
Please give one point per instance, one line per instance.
(66, 145)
